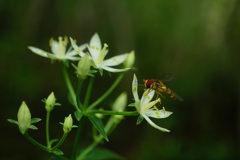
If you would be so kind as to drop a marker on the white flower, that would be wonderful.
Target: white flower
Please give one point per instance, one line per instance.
(145, 107)
(97, 55)
(59, 51)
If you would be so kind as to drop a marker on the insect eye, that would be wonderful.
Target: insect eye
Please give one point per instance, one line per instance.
(149, 83)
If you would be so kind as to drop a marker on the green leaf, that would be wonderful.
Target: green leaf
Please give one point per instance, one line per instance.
(58, 152)
(93, 71)
(74, 66)
(35, 120)
(97, 123)
(33, 127)
(78, 115)
(131, 105)
(103, 154)
(140, 119)
(71, 100)
(101, 71)
(12, 121)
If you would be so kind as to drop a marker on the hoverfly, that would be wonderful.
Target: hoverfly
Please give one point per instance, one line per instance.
(159, 87)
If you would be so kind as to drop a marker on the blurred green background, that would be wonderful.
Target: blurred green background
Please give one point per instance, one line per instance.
(196, 41)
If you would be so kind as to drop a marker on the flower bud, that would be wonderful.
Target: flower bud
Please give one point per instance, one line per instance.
(120, 105)
(50, 102)
(24, 118)
(130, 60)
(83, 67)
(68, 124)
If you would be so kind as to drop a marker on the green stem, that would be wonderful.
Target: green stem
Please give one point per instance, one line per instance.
(129, 113)
(69, 86)
(114, 85)
(88, 93)
(47, 129)
(77, 138)
(60, 142)
(36, 143)
(79, 105)
(88, 149)
(97, 141)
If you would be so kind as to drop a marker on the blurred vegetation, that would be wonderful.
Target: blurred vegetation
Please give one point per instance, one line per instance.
(196, 41)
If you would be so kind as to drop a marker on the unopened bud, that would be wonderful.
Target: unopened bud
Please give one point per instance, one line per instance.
(120, 105)
(83, 67)
(50, 102)
(68, 124)
(24, 118)
(130, 60)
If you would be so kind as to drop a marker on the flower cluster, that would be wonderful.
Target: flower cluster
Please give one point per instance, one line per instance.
(94, 52)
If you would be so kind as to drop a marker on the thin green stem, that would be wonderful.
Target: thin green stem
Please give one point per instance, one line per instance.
(129, 113)
(77, 138)
(60, 142)
(97, 141)
(88, 93)
(114, 85)
(79, 105)
(36, 143)
(47, 129)
(88, 149)
(69, 86)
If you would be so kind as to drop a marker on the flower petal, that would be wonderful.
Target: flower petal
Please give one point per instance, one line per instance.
(38, 51)
(157, 113)
(71, 54)
(147, 96)
(114, 69)
(146, 107)
(58, 47)
(83, 47)
(135, 88)
(154, 125)
(116, 60)
(95, 46)
(101, 56)
(78, 49)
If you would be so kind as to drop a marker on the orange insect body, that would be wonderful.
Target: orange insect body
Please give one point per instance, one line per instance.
(159, 87)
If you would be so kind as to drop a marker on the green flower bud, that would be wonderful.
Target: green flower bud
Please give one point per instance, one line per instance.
(50, 102)
(68, 124)
(83, 67)
(120, 105)
(130, 60)
(24, 118)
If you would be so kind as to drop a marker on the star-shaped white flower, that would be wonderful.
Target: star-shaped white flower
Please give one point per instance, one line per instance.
(59, 51)
(146, 108)
(98, 54)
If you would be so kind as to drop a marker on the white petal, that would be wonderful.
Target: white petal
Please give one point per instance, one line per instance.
(73, 58)
(114, 69)
(135, 88)
(71, 53)
(95, 46)
(154, 125)
(147, 96)
(56, 47)
(157, 113)
(79, 49)
(38, 51)
(116, 60)
(83, 47)
(149, 105)
(74, 45)
(101, 56)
